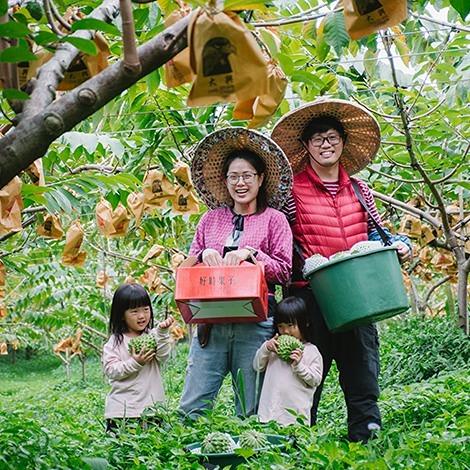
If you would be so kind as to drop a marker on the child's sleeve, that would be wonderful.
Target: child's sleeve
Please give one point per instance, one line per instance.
(163, 344)
(261, 358)
(114, 367)
(310, 367)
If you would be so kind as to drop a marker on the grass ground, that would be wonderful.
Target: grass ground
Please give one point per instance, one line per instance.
(48, 422)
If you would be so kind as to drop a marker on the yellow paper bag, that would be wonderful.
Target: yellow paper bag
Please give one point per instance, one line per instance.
(120, 220)
(72, 256)
(176, 260)
(102, 278)
(36, 173)
(184, 202)
(260, 109)
(226, 58)
(130, 280)
(152, 280)
(182, 174)
(51, 227)
(135, 202)
(3, 349)
(178, 70)
(154, 252)
(157, 189)
(104, 217)
(363, 17)
(10, 207)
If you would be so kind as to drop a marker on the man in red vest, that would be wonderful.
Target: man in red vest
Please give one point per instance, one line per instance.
(326, 142)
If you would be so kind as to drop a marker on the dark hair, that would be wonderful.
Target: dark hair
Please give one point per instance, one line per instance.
(258, 164)
(293, 310)
(127, 296)
(322, 124)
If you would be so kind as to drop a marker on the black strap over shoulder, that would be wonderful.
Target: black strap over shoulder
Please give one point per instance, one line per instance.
(385, 238)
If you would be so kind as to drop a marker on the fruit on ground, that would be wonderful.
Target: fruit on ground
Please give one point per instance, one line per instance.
(146, 342)
(252, 440)
(286, 344)
(218, 443)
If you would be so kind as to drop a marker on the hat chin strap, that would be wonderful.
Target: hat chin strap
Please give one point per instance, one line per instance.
(310, 154)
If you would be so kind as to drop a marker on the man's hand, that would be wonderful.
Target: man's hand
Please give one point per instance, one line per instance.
(404, 251)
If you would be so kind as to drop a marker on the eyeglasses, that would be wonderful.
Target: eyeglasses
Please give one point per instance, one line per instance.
(319, 141)
(247, 178)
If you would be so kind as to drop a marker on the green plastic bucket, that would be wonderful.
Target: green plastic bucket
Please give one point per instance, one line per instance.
(360, 289)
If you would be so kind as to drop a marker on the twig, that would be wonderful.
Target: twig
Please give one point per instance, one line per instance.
(131, 57)
(302, 19)
(434, 287)
(50, 18)
(59, 17)
(91, 345)
(386, 116)
(440, 22)
(101, 168)
(92, 330)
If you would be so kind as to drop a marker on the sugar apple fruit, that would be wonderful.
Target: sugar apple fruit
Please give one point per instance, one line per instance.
(365, 246)
(286, 344)
(145, 341)
(313, 262)
(218, 443)
(339, 255)
(252, 440)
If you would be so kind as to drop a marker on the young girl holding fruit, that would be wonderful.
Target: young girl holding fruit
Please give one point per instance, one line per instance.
(134, 375)
(293, 369)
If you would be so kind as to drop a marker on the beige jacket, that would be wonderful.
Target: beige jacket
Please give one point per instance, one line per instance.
(133, 386)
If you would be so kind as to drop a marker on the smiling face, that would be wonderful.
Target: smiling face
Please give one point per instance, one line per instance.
(137, 319)
(325, 148)
(243, 184)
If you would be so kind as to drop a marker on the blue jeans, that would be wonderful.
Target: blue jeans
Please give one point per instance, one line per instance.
(231, 347)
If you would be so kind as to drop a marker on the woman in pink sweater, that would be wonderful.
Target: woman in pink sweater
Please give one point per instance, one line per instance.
(134, 376)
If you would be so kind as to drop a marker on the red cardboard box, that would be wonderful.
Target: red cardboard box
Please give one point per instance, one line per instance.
(222, 294)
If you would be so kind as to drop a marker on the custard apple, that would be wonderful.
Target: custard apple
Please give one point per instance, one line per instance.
(218, 443)
(286, 344)
(253, 440)
(146, 342)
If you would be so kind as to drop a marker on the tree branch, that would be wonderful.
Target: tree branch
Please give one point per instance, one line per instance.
(131, 58)
(441, 23)
(32, 137)
(434, 287)
(52, 72)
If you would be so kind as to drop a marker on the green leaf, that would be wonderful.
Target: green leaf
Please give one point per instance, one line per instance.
(3, 7)
(96, 25)
(45, 37)
(96, 463)
(85, 45)
(335, 32)
(462, 6)
(308, 78)
(13, 29)
(13, 94)
(17, 54)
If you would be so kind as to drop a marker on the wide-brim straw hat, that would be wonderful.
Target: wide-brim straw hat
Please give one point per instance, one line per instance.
(209, 157)
(361, 128)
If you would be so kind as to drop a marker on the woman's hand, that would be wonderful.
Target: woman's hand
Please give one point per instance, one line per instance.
(296, 356)
(234, 258)
(144, 356)
(403, 249)
(271, 345)
(166, 323)
(211, 257)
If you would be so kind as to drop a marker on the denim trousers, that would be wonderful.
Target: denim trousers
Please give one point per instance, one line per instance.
(231, 348)
(356, 353)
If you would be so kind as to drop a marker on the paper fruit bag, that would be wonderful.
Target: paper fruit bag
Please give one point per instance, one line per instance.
(102, 278)
(72, 256)
(135, 202)
(10, 207)
(178, 70)
(182, 174)
(104, 217)
(36, 173)
(120, 220)
(363, 17)
(184, 202)
(260, 109)
(152, 280)
(157, 189)
(226, 58)
(51, 227)
(154, 252)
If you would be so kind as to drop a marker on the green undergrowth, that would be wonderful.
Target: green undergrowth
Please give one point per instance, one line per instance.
(48, 422)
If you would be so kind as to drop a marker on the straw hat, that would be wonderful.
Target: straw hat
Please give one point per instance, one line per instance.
(211, 152)
(361, 128)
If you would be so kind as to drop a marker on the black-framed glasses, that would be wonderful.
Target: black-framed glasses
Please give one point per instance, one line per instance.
(319, 141)
(247, 178)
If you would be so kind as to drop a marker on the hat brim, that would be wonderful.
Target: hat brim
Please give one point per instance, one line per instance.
(209, 157)
(361, 128)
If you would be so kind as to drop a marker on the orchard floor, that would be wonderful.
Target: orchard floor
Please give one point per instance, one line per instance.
(49, 422)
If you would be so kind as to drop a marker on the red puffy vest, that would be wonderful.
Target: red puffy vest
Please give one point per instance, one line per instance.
(325, 224)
